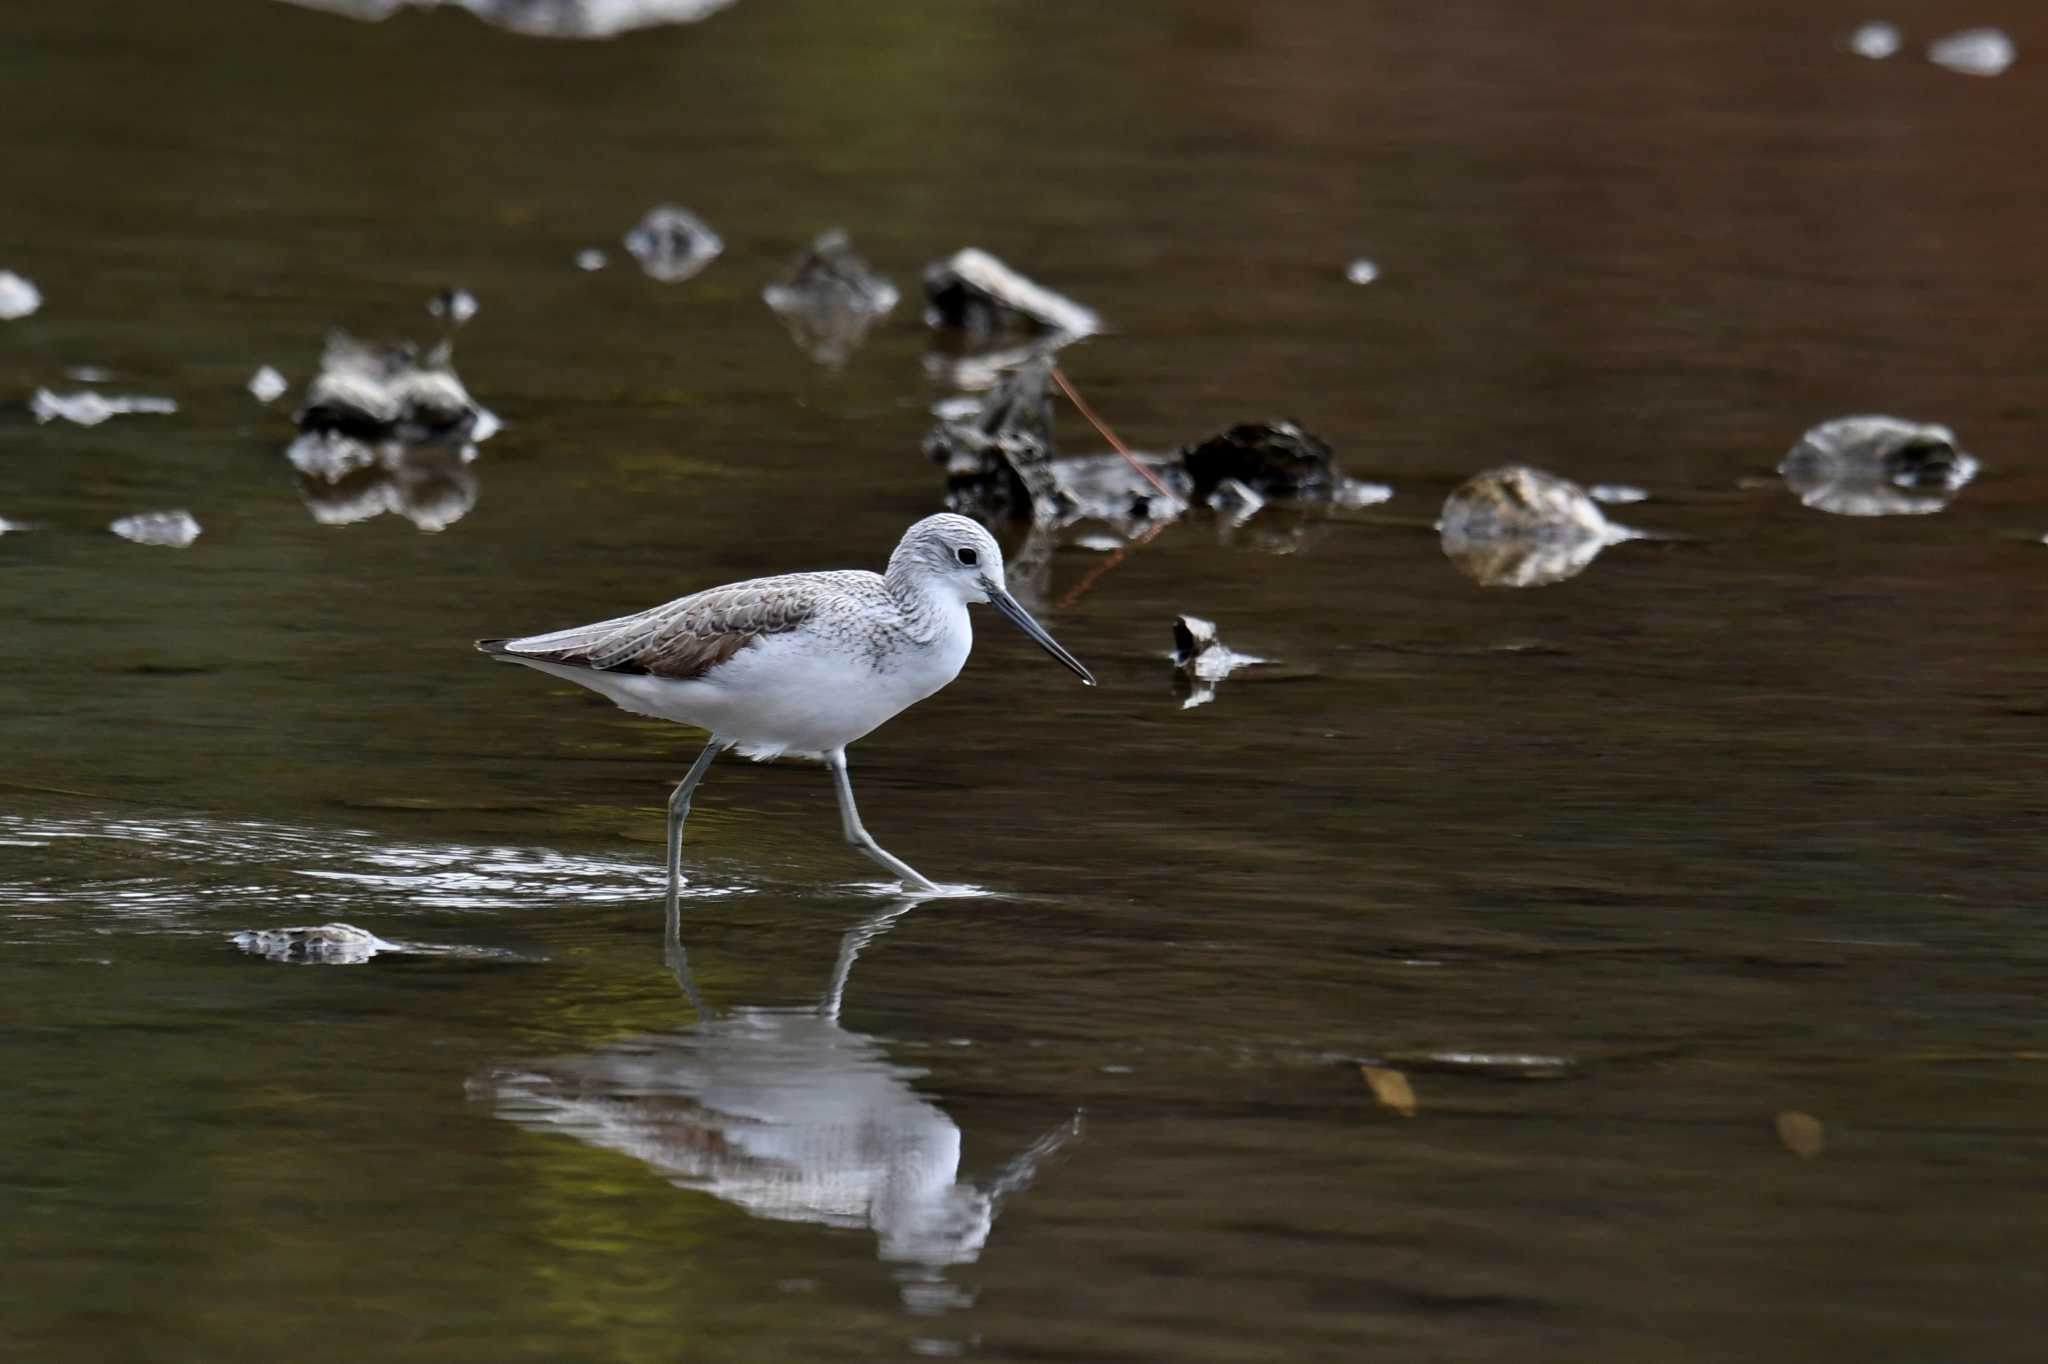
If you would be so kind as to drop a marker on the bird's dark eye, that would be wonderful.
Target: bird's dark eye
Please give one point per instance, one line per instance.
(967, 556)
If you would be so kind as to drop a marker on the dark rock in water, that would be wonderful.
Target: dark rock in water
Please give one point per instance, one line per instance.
(1521, 527)
(1273, 459)
(387, 393)
(1877, 466)
(1202, 660)
(997, 461)
(672, 244)
(974, 292)
(830, 298)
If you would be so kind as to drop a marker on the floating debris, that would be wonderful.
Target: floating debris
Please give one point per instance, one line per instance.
(90, 409)
(267, 385)
(542, 18)
(1521, 527)
(456, 306)
(978, 294)
(673, 244)
(1616, 494)
(1355, 492)
(387, 393)
(1801, 1133)
(590, 258)
(1202, 660)
(829, 299)
(1391, 1088)
(1273, 459)
(175, 529)
(18, 297)
(1973, 52)
(1876, 40)
(14, 527)
(1361, 271)
(1877, 466)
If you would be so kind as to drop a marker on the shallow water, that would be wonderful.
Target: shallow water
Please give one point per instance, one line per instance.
(1733, 824)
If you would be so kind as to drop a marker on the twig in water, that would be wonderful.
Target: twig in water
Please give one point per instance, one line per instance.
(1081, 405)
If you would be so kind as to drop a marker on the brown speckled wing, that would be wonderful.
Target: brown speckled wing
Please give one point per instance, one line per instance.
(684, 639)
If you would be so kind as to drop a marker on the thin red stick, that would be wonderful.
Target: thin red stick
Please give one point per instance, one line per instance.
(1081, 405)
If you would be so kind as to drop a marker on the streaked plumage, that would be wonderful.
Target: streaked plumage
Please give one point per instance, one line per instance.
(801, 663)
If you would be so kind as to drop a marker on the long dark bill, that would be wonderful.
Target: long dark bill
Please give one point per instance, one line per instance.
(1019, 617)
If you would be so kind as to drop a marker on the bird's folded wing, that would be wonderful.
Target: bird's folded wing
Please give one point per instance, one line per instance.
(684, 639)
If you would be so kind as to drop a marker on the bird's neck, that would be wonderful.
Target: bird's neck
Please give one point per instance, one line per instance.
(928, 611)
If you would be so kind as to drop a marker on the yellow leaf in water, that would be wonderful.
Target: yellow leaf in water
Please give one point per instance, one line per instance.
(1801, 1133)
(1391, 1088)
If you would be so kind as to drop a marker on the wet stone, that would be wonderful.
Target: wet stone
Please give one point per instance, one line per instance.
(18, 297)
(1876, 40)
(829, 298)
(390, 392)
(1235, 502)
(996, 460)
(1273, 459)
(330, 944)
(1521, 527)
(590, 258)
(673, 244)
(1974, 52)
(1361, 271)
(175, 529)
(90, 409)
(1877, 466)
(266, 385)
(972, 291)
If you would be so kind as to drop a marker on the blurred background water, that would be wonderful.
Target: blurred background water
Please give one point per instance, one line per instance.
(1604, 879)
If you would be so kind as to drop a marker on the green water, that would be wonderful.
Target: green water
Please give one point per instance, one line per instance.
(1728, 826)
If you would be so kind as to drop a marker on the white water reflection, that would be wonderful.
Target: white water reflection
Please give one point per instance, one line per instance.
(183, 866)
(789, 1115)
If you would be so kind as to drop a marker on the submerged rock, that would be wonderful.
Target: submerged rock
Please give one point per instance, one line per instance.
(1202, 660)
(1521, 527)
(90, 409)
(1273, 459)
(18, 297)
(997, 460)
(829, 299)
(1877, 466)
(175, 529)
(1973, 52)
(542, 18)
(673, 244)
(976, 293)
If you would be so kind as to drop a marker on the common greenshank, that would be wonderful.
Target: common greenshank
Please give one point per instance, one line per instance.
(800, 664)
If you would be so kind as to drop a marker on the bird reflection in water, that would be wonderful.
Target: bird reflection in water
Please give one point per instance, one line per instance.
(788, 1115)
